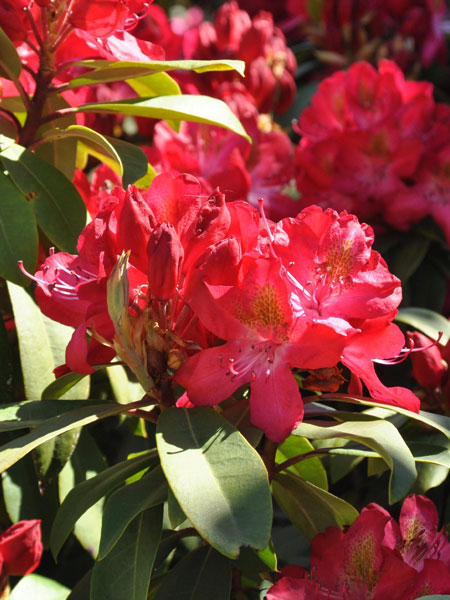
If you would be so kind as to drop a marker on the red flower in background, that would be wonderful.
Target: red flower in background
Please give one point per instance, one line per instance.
(375, 558)
(376, 145)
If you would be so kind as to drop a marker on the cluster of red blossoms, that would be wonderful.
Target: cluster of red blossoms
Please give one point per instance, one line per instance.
(376, 558)
(377, 146)
(217, 297)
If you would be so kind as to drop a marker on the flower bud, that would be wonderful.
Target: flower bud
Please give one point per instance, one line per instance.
(428, 367)
(21, 547)
(165, 259)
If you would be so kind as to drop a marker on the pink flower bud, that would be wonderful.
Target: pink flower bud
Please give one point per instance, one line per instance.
(428, 368)
(21, 547)
(165, 259)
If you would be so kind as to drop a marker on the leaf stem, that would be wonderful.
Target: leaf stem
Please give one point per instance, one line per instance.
(295, 459)
(268, 456)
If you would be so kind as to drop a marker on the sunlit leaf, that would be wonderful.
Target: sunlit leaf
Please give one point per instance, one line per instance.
(10, 64)
(217, 477)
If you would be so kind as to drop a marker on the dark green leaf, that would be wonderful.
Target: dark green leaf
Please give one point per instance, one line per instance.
(310, 508)
(21, 415)
(380, 436)
(82, 590)
(13, 451)
(18, 233)
(58, 206)
(39, 588)
(62, 385)
(408, 255)
(200, 109)
(105, 71)
(126, 503)
(435, 421)
(84, 495)
(425, 320)
(202, 574)
(10, 65)
(174, 510)
(217, 477)
(126, 570)
(86, 462)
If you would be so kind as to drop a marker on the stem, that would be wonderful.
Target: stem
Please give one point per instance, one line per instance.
(295, 459)
(268, 456)
(58, 114)
(12, 116)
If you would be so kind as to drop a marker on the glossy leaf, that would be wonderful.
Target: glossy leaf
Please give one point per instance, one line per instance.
(128, 160)
(21, 415)
(310, 508)
(196, 108)
(18, 233)
(86, 462)
(13, 451)
(438, 422)
(10, 65)
(61, 153)
(125, 572)
(55, 201)
(310, 469)
(378, 435)
(218, 479)
(204, 573)
(38, 587)
(87, 493)
(425, 320)
(158, 84)
(107, 71)
(128, 502)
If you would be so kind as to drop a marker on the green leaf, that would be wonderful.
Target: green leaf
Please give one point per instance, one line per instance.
(59, 387)
(158, 84)
(435, 597)
(58, 206)
(61, 153)
(435, 421)
(39, 588)
(10, 64)
(217, 477)
(82, 590)
(381, 436)
(425, 320)
(202, 574)
(42, 344)
(196, 108)
(128, 160)
(107, 71)
(87, 493)
(128, 502)
(310, 469)
(13, 451)
(21, 415)
(126, 570)
(407, 256)
(18, 233)
(310, 508)
(174, 510)
(86, 462)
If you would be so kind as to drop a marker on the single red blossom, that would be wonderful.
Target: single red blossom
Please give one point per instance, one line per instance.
(428, 367)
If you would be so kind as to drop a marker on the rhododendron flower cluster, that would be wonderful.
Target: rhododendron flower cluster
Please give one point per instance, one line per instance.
(305, 293)
(408, 31)
(376, 145)
(270, 65)
(375, 558)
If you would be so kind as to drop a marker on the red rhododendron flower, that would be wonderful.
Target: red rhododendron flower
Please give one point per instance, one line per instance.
(376, 145)
(270, 64)
(407, 31)
(375, 558)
